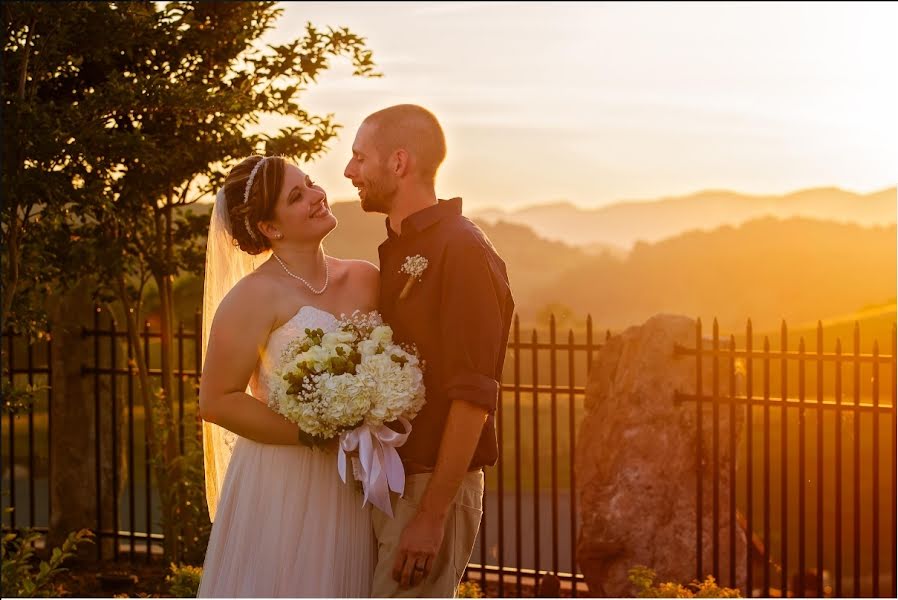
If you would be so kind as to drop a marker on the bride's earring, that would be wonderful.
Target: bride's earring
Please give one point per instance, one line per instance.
(279, 236)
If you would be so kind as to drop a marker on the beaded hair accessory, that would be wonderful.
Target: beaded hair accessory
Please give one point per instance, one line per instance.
(249, 187)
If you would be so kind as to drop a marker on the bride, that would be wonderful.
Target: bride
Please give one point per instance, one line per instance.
(284, 524)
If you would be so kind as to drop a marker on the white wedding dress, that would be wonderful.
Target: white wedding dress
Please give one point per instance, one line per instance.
(286, 525)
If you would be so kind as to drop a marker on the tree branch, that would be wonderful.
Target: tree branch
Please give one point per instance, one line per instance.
(23, 75)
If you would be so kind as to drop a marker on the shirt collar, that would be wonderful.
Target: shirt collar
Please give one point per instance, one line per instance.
(426, 217)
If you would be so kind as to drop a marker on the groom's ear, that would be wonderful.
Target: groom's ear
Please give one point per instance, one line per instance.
(400, 162)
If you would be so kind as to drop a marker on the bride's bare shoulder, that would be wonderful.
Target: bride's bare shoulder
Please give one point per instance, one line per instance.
(361, 280)
(356, 269)
(254, 293)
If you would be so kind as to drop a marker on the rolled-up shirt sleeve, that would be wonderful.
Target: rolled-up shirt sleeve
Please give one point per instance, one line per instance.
(471, 304)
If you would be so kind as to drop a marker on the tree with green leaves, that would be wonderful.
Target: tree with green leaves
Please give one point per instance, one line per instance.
(160, 99)
(57, 149)
(58, 155)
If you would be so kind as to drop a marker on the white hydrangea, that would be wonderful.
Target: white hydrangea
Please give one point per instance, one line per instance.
(398, 390)
(368, 348)
(382, 334)
(337, 338)
(347, 398)
(316, 356)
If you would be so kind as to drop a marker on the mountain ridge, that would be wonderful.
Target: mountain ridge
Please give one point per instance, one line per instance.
(624, 223)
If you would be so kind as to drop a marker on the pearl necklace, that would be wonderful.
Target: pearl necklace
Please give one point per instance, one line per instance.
(327, 276)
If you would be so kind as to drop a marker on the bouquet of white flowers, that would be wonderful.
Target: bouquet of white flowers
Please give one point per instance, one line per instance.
(351, 382)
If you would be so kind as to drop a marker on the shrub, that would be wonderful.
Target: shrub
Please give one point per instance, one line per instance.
(184, 580)
(21, 577)
(644, 579)
(468, 589)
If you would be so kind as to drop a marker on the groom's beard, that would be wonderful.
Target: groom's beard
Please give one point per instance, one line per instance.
(378, 197)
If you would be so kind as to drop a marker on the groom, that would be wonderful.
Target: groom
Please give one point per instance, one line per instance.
(444, 289)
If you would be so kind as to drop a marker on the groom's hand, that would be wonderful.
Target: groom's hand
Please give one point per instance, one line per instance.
(418, 545)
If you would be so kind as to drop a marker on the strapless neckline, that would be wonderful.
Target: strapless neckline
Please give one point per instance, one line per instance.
(299, 313)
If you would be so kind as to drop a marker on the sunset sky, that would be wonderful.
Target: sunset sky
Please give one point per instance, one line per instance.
(597, 103)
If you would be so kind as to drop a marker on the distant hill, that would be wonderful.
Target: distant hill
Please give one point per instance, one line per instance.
(767, 269)
(874, 323)
(532, 261)
(624, 223)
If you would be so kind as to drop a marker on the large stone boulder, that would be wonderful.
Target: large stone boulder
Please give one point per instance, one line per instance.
(636, 462)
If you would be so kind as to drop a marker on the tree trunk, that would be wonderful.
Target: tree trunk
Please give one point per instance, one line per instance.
(73, 413)
(169, 433)
(14, 230)
(169, 440)
(12, 270)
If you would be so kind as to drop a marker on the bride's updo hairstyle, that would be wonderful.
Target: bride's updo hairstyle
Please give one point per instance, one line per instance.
(251, 190)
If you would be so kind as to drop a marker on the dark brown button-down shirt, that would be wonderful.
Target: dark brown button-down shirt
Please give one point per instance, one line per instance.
(458, 315)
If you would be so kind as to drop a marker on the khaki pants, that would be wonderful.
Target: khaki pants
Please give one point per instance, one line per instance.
(462, 523)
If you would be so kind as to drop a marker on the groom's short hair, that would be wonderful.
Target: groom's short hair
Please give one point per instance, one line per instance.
(414, 129)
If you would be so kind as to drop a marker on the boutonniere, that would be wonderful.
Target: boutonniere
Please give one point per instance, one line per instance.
(414, 267)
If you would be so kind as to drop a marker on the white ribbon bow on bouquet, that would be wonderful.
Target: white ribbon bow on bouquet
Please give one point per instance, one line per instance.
(380, 467)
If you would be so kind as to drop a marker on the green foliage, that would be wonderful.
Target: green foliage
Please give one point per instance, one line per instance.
(468, 589)
(184, 580)
(190, 507)
(18, 399)
(187, 497)
(23, 576)
(643, 578)
(55, 147)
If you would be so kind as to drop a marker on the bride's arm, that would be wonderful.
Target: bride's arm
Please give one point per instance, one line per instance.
(240, 328)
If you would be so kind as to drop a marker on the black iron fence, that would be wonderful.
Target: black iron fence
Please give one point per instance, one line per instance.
(530, 522)
(816, 477)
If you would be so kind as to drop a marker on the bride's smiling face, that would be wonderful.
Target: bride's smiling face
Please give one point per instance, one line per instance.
(302, 212)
